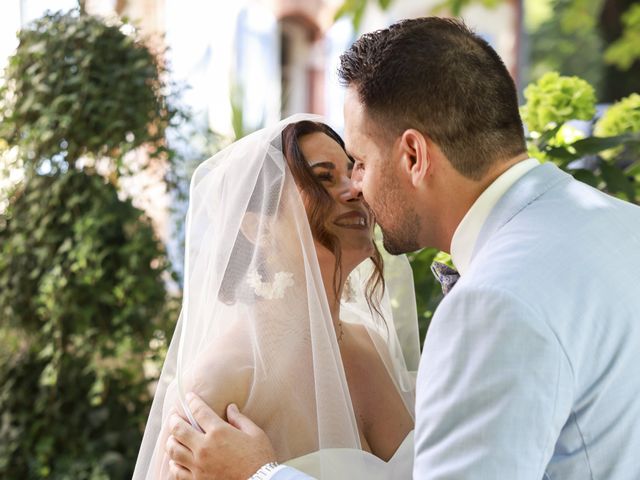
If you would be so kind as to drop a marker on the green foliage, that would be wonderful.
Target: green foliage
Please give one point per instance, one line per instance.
(80, 427)
(76, 260)
(579, 15)
(78, 87)
(428, 290)
(626, 50)
(582, 38)
(81, 286)
(621, 117)
(610, 163)
(355, 9)
(455, 7)
(553, 100)
(558, 43)
(84, 312)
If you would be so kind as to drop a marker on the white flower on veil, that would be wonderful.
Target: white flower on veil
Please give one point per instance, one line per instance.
(270, 290)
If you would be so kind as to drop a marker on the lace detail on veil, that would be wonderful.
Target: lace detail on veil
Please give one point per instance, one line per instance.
(270, 290)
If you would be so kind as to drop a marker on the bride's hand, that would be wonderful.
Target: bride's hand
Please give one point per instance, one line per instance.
(234, 450)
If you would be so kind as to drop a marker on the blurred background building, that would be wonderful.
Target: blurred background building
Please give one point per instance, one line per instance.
(241, 65)
(272, 57)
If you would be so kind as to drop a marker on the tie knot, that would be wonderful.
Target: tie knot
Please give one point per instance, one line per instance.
(446, 275)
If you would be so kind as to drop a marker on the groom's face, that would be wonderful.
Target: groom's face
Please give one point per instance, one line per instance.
(377, 175)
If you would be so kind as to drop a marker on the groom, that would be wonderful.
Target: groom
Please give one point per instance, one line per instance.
(529, 368)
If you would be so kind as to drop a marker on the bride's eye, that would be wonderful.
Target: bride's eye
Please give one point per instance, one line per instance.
(325, 177)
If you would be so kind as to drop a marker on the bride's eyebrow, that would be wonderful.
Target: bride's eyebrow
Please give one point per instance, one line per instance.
(327, 165)
(352, 156)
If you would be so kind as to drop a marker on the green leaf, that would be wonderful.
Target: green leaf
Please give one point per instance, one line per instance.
(358, 14)
(544, 139)
(593, 145)
(354, 9)
(562, 155)
(586, 176)
(617, 181)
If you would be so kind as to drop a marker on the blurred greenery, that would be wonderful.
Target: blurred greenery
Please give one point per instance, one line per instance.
(555, 99)
(593, 39)
(355, 9)
(84, 310)
(609, 158)
(77, 87)
(81, 286)
(624, 51)
(568, 27)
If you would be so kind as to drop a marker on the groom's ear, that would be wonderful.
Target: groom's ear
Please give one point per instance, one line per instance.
(414, 151)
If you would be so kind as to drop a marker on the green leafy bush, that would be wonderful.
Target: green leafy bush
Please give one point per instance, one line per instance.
(626, 50)
(84, 311)
(77, 260)
(69, 429)
(81, 277)
(79, 87)
(611, 162)
(622, 117)
(553, 100)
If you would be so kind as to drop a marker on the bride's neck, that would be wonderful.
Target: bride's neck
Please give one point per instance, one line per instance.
(328, 272)
(333, 294)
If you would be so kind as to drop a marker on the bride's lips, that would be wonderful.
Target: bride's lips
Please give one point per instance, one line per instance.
(354, 220)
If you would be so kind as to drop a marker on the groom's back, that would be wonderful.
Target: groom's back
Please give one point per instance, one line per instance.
(573, 254)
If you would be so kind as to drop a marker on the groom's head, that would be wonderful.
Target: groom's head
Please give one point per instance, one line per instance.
(430, 107)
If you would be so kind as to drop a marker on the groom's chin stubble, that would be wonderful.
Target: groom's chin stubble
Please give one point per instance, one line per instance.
(396, 247)
(404, 238)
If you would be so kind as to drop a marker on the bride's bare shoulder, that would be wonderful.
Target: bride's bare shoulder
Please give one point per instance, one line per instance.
(223, 371)
(363, 338)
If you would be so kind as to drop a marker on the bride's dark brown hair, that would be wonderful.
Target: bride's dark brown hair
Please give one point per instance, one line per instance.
(321, 204)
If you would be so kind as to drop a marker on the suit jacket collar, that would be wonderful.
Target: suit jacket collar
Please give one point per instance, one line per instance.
(526, 190)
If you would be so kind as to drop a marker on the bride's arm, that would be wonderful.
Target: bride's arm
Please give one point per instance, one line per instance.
(220, 377)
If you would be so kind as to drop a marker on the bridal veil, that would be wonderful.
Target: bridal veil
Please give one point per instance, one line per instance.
(252, 281)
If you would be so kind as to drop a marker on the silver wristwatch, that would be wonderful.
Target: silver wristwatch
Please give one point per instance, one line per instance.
(264, 471)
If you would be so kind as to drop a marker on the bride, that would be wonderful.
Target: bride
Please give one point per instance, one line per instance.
(286, 312)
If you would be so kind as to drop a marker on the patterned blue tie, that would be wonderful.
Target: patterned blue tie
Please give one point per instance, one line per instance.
(446, 275)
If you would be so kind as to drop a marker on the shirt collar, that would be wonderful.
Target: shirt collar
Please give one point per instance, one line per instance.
(466, 235)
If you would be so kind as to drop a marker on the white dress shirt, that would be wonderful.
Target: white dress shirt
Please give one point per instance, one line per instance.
(465, 236)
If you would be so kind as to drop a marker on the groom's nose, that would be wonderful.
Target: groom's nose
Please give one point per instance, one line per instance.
(355, 190)
(356, 182)
(350, 193)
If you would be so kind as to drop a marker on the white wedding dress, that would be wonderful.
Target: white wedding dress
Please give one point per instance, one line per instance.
(253, 288)
(351, 464)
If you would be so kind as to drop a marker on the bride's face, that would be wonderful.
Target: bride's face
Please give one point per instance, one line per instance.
(348, 219)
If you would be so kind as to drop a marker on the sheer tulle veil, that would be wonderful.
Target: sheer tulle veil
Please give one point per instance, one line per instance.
(254, 298)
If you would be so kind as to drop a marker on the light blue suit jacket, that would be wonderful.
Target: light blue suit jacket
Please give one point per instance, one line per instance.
(531, 366)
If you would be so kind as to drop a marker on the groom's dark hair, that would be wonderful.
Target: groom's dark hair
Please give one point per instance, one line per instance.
(437, 76)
